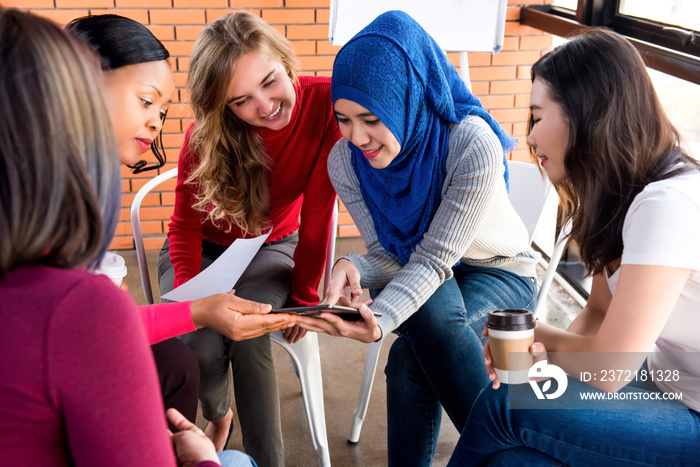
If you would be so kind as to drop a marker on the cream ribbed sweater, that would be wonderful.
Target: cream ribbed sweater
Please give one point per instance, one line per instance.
(475, 223)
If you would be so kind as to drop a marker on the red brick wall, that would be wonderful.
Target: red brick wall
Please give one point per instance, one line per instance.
(500, 80)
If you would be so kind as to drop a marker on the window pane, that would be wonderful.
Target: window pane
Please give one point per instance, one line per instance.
(679, 98)
(683, 13)
(570, 4)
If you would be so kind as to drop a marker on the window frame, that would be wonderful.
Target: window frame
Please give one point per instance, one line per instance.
(661, 45)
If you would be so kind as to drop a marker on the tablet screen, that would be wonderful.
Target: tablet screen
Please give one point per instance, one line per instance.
(345, 312)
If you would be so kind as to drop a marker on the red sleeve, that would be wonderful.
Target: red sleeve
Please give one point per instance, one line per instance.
(185, 229)
(316, 213)
(166, 320)
(102, 379)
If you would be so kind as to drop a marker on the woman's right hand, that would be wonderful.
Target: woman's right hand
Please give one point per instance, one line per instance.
(488, 361)
(237, 318)
(344, 278)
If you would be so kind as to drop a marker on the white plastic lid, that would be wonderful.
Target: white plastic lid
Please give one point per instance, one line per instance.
(112, 265)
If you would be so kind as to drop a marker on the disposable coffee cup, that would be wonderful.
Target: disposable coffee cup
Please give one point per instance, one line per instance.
(511, 333)
(112, 266)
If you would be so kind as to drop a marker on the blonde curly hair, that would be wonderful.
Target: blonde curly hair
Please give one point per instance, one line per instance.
(234, 169)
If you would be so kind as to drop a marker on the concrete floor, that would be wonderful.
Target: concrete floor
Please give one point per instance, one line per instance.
(342, 361)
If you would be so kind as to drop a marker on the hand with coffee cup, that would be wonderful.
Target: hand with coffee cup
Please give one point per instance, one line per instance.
(507, 352)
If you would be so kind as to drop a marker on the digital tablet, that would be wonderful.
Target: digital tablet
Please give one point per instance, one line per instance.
(345, 312)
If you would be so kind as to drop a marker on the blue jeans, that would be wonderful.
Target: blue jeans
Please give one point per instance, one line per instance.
(603, 434)
(236, 459)
(437, 359)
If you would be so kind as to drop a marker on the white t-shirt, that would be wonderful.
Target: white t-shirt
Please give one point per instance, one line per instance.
(662, 228)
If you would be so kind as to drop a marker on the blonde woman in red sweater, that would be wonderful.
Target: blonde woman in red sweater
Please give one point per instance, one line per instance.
(254, 160)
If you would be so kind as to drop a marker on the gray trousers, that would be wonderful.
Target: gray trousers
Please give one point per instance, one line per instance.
(267, 279)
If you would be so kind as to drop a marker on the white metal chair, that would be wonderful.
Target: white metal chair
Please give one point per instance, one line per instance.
(304, 355)
(528, 193)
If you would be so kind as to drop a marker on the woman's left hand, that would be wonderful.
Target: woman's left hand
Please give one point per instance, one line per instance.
(364, 330)
(190, 443)
(294, 334)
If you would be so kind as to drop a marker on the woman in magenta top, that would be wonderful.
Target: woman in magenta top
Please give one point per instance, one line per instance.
(77, 381)
(254, 160)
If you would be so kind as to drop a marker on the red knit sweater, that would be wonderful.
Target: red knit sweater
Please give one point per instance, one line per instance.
(299, 185)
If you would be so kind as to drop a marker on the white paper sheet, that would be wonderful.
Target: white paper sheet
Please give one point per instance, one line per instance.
(223, 273)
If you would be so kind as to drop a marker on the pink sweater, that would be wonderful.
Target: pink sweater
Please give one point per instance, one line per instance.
(165, 320)
(78, 384)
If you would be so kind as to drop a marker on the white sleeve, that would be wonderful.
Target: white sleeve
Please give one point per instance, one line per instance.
(662, 228)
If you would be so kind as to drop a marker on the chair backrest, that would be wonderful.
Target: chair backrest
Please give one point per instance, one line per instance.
(138, 235)
(528, 193)
(141, 250)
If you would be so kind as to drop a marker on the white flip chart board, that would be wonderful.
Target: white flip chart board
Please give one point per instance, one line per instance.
(456, 25)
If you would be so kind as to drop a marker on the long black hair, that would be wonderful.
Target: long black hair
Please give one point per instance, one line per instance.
(620, 138)
(120, 41)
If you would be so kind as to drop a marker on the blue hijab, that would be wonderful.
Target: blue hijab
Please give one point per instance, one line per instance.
(394, 69)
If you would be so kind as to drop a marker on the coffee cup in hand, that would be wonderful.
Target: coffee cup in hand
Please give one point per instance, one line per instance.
(511, 333)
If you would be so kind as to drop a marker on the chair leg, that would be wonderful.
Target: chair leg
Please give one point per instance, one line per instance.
(307, 362)
(365, 390)
(559, 246)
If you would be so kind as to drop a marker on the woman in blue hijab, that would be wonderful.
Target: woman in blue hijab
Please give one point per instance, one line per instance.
(421, 171)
